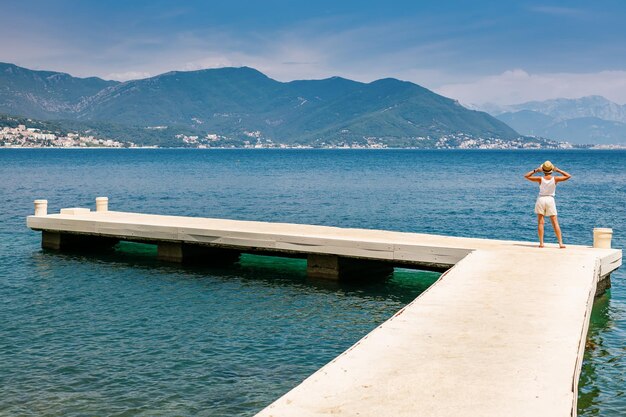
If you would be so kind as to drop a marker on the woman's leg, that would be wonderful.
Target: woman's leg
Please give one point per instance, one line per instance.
(557, 230)
(540, 229)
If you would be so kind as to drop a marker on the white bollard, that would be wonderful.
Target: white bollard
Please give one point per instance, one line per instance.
(102, 204)
(41, 207)
(602, 237)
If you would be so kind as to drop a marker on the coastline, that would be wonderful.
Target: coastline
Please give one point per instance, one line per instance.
(612, 148)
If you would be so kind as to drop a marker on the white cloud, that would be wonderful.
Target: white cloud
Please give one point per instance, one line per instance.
(559, 11)
(129, 75)
(518, 86)
(431, 53)
(280, 61)
(311, 51)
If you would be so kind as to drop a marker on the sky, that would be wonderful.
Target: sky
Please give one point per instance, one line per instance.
(479, 51)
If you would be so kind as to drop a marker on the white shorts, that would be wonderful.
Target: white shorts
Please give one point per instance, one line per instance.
(546, 206)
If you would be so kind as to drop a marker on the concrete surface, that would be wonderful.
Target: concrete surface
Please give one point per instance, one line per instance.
(407, 249)
(502, 333)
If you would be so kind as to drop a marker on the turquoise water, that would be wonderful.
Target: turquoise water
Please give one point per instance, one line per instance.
(122, 334)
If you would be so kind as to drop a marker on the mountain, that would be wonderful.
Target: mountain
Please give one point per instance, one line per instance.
(587, 130)
(45, 94)
(243, 102)
(578, 130)
(564, 109)
(527, 122)
(585, 120)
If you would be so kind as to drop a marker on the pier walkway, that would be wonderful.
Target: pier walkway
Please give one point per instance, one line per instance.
(501, 333)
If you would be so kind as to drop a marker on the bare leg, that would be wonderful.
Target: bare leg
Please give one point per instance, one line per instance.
(557, 230)
(540, 229)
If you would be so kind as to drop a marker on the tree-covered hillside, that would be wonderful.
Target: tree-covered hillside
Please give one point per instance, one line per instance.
(239, 103)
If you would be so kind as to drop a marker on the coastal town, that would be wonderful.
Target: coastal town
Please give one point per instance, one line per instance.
(29, 137)
(23, 136)
(255, 140)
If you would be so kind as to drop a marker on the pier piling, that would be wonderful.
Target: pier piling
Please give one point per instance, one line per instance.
(196, 254)
(75, 242)
(337, 267)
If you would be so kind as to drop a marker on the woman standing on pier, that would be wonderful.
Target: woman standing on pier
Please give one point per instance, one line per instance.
(545, 205)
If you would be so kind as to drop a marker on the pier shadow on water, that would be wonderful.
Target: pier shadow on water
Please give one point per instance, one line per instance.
(404, 285)
(277, 287)
(122, 333)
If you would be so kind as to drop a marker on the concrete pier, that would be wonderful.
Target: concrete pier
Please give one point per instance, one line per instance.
(501, 333)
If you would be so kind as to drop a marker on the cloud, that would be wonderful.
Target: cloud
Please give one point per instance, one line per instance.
(453, 54)
(129, 75)
(316, 49)
(559, 11)
(296, 63)
(280, 60)
(518, 86)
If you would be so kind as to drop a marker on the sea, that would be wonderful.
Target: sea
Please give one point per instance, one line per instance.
(121, 334)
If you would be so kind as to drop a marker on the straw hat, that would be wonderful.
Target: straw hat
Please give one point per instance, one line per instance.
(547, 167)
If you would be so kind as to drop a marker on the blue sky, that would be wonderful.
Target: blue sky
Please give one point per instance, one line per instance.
(476, 51)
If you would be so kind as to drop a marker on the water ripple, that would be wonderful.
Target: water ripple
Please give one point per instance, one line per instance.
(123, 335)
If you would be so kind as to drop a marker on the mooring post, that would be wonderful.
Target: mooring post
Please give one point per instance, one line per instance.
(602, 237)
(102, 204)
(41, 207)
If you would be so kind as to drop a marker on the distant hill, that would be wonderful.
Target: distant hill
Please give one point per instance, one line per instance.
(527, 122)
(242, 102)
(588, 130)
(578, 130)
(565, 108)
(45, 94)
(585, 120)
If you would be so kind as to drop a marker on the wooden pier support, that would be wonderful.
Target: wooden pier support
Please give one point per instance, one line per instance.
(338, 267)
(198, 254)
(75, 242)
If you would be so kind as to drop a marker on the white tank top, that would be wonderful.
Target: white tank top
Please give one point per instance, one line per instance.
(547, 187)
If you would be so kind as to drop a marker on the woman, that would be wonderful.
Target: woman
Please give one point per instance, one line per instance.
(545, 205)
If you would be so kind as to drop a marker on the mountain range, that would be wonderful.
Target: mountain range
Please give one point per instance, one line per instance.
(244, 103)
(585, 120)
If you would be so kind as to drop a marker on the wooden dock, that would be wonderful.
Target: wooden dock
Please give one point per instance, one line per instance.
(501, 333)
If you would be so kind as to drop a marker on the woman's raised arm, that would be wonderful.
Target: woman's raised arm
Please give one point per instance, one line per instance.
(565, 175)
(529, 175)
